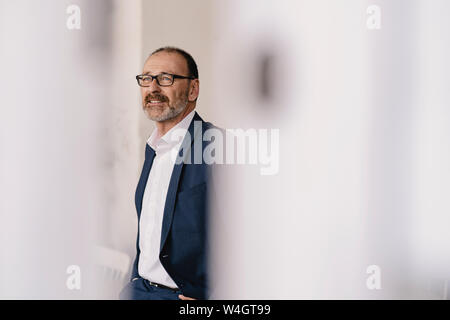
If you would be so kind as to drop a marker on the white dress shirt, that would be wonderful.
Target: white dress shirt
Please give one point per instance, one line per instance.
(153, 203)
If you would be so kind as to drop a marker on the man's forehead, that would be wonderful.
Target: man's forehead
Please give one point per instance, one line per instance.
(166, 62)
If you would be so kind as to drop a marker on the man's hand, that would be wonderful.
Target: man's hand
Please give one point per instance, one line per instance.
(185, 298)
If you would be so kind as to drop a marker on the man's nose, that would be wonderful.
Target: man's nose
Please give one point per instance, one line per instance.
(154, 86)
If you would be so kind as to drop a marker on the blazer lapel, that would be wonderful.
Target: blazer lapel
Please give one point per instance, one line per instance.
(149, 156)
(174, 182)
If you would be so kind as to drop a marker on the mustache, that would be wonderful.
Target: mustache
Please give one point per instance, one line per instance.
(159, 97)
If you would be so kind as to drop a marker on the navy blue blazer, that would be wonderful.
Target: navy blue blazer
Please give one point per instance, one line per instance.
(183, 247)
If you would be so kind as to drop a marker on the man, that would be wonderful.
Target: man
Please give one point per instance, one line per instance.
(170, 197)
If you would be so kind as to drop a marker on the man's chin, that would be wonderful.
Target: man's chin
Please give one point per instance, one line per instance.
(158, 117)
(161, 117)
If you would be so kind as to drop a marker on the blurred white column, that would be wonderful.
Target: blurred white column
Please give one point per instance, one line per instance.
(364, 155)
(392, 72)
(431, 179)
(300, 67)
(69, 161)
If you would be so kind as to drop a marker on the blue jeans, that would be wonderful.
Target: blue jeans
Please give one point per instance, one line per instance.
(140, 289)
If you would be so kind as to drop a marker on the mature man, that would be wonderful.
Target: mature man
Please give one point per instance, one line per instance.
(171, 196)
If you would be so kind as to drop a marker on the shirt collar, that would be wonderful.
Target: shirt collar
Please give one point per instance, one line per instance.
(170, 140)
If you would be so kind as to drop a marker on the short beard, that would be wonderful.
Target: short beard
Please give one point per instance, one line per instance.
(169, 113)
(172, 111)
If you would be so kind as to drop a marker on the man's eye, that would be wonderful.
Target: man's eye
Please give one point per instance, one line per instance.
(165, 78)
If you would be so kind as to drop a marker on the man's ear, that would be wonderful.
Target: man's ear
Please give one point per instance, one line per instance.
(194, 90)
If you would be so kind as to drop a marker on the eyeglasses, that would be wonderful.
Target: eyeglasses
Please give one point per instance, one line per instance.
(163, 79)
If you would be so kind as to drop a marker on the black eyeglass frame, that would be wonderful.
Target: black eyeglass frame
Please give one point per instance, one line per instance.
(174, 76)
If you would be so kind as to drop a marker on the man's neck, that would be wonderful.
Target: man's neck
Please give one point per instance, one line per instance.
(164, 126)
